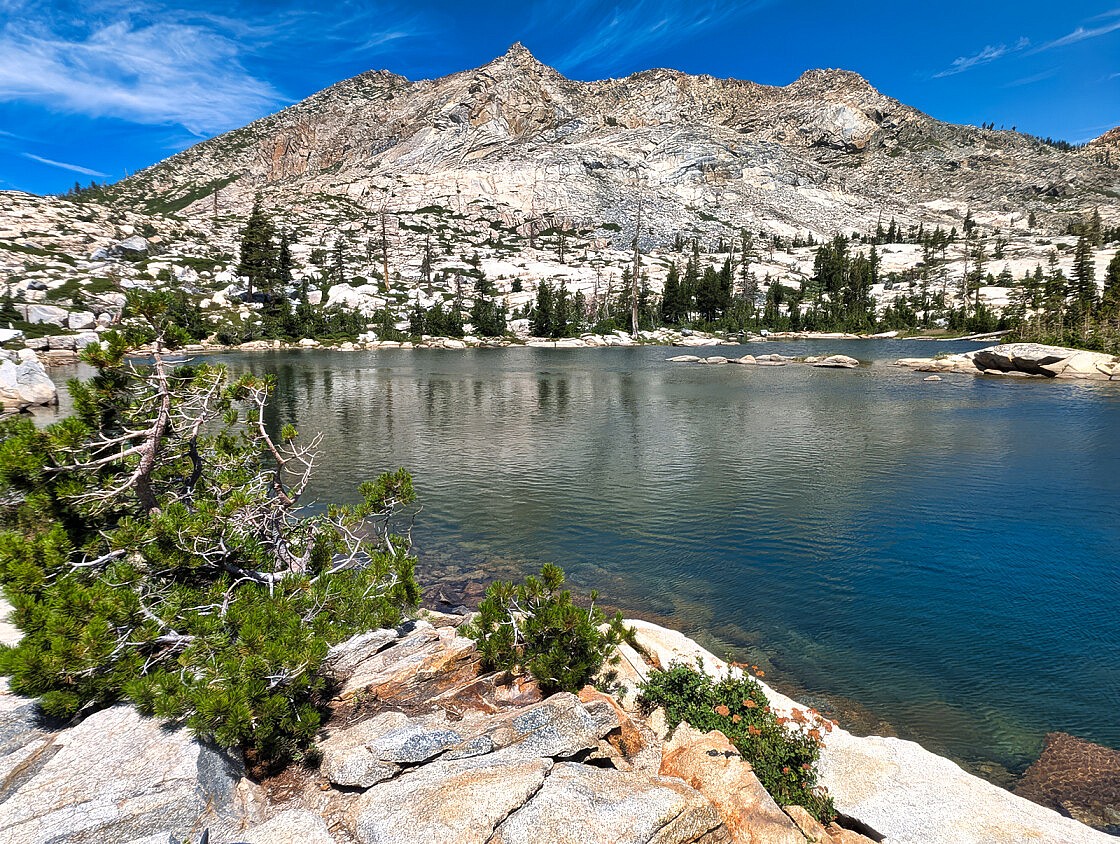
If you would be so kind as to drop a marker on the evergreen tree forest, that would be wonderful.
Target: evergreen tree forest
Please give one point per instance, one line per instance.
(710, 291)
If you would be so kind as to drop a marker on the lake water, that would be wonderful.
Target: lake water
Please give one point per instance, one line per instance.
(935, 559)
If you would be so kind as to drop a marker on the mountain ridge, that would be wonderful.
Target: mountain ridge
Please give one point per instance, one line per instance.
(826, 152)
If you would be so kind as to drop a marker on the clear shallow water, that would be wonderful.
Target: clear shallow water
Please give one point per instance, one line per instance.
(940, 557)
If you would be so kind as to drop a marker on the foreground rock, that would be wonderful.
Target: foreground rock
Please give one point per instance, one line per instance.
(423, 746)
(710, 763)
(115, 777)
(1023, 359)
(897, 788)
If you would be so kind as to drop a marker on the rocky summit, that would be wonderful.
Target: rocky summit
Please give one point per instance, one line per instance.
(824, 153)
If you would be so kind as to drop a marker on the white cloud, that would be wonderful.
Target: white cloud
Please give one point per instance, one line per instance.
(963, 63)
(1081, 34)
(75, 168)
(161, 73)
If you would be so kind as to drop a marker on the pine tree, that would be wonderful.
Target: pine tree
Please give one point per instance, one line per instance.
(672, 309)
(154, 549)
(258, 255)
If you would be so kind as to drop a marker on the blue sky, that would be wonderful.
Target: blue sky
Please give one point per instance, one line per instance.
(98, 88)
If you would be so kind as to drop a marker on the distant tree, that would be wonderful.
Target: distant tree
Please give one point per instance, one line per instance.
(258, 254)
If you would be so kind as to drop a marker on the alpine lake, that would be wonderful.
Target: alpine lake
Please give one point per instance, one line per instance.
(938, 561)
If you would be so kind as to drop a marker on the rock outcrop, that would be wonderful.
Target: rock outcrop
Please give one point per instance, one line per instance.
(1032, 359)
(24, 382)
(423, 746)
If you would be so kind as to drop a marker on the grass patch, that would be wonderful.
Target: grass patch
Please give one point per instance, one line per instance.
(167, 206)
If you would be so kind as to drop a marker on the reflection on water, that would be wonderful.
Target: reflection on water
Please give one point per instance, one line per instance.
(942, 554)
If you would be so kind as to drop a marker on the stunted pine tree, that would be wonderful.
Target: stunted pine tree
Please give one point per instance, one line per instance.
(156, 548)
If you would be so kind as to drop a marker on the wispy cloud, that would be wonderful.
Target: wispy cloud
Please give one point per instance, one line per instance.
(991, 53)
(1081, 34)
(74, 168)
(160, 73)
(148, 64)
(610, 33)
(987, 55)
(1030, 80)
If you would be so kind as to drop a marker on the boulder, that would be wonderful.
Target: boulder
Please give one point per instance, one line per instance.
(425, 662)
(1078, 778)
(460, 801)
(117, 777)
(9, 334)
(897, 788)
(378, 748)
(580, 804)
(837, 362)
(344, 658)
(932, 378)
(81, 320)
(63, 342)
(131, 248)
(26, 383)
(347, 757)
(559, 727)
(86, 338)
(1029, 358)
(46, 315)
(714, 360)
(713, 766)
(907, 794)
(684, 359)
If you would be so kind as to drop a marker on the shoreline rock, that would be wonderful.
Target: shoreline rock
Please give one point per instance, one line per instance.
(464, 758)
(1023, 359)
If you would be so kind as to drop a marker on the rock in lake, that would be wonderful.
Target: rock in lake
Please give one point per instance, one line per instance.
(1077, 778)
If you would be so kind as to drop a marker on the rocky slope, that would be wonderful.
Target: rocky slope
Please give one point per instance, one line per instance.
(481, 171)
(826, 152)
(422, 746)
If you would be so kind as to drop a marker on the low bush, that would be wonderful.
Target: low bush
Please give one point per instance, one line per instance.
(784, 759)
(535, 627)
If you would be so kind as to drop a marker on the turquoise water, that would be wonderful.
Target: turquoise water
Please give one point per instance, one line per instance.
(935, 559)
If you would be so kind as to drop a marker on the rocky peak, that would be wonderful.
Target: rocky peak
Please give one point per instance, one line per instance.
(518, 58)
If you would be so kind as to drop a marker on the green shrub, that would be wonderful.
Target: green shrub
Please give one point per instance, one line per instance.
(155, 548)
(534, 626)
(784, 759)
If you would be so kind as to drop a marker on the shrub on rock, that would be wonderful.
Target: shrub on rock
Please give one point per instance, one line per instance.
(534, 626)
(784, 759)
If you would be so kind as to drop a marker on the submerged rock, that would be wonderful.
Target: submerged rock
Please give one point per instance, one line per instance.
(1078, 778)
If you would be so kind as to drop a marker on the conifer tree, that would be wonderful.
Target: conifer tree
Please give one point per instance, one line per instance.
(154, 549)
(258, 255)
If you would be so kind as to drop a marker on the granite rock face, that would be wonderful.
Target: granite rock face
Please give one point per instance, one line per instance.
(898, 789)
(24, 382)
(710, 763)
(115, 777)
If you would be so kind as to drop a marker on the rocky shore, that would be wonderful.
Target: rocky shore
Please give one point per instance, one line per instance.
(1023, 359)
(423, 746)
